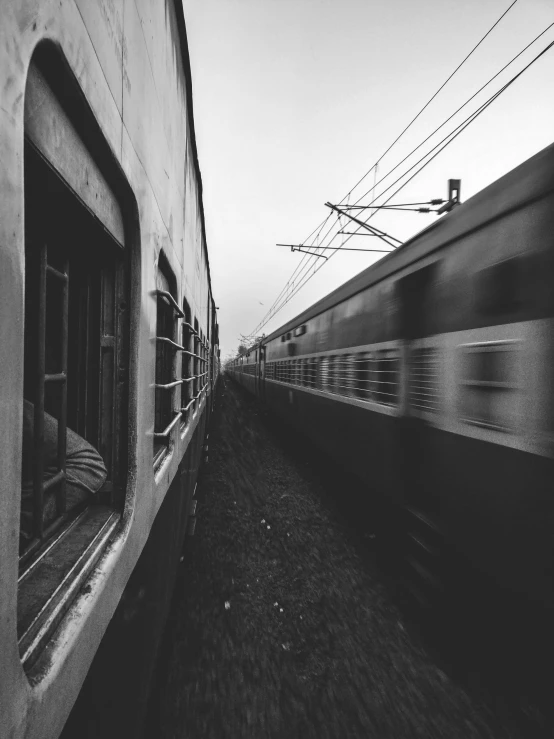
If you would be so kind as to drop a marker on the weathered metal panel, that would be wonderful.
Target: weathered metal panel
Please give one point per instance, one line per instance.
(104, 22)
(53, 134)
(127, 58)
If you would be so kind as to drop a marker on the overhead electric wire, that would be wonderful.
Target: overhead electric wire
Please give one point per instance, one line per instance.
(397, 139)
(446, 141)
(307, 258)
(283, 295)
(453, 135)
(460, 65)
(421, 144)
(453, 114)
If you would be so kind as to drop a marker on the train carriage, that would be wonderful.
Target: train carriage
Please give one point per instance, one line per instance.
(110, 355)
(431, 376)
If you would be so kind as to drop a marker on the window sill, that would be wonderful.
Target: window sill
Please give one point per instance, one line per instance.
(48, 586)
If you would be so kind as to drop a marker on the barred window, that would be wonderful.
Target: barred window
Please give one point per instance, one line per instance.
(296, 365)
(362, 375)
(311, 372)
(196, 362)
(167, 312)
(488, 384)
(347, 375)
(385, 376)
(332, 378)
(74, 306)
(74, 402)
(187, 372)
(424, 379)
(303, 372)
(323, 379)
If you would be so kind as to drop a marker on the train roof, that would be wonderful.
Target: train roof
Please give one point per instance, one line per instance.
(527, 182)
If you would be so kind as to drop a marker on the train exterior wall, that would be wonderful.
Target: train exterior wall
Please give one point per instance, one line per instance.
(476, 283)
(129, 61)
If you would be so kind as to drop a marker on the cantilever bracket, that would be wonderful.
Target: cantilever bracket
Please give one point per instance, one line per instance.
(301, 248)
(381, 234)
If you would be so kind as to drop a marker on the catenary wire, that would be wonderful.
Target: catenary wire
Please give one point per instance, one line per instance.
(397, 139)
(289, 285)
(447, 140)
(322, 224)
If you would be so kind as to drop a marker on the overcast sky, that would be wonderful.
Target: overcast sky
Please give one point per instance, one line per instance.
(294, 100)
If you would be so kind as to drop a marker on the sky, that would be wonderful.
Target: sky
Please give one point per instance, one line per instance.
(295, 100)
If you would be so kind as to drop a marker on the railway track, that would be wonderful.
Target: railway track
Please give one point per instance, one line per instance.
(292, 619)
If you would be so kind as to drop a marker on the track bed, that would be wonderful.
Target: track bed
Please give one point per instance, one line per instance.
(286, 622)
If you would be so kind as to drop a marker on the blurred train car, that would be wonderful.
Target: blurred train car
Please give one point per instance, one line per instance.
(109, 355)
(431, 376)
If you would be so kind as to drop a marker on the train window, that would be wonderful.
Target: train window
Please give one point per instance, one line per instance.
(187, 388)
(289, 335)
(386, 368)
(204, 363)
(362, 375)
(196, 364)
(312, 372)
(305, 370)
(424, 376)
(327, 372)
(488, 380)
(308, 372)
(350, 375)
(72, 351)
(498, 287)
(74, 371)
(300, 330)
(335, 380)
(283, 338)
(324, 373)
(167, 313)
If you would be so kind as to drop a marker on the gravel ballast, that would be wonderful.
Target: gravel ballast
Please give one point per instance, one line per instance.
(281, 626)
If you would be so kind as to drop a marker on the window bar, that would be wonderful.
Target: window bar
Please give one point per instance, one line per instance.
(188, 326)
(188, 405)
(192, 354)
(62, 420)
(171, 343)
(169, 386)
(168, 429)
(38, 421)
(171, 300)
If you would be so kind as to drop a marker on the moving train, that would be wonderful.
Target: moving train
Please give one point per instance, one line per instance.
(430, 375)
(109, 357)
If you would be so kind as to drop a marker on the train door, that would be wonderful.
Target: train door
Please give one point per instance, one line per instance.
(420, 375)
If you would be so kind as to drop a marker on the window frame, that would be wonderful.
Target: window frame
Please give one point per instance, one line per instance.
(489, 386)
(86, 176)
(166, 417)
